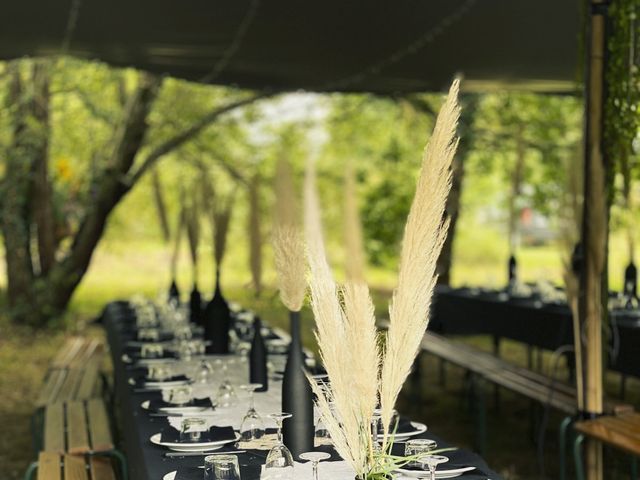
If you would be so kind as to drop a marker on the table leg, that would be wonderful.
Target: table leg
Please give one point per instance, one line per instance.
(577, 457)
(496, 388)
(562, 446)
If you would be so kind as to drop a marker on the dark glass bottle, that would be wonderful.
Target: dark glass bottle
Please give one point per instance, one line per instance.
(217, 321)
(195, 306)
(631, 282)
(258, 358)
(298, 431)
(513, 270)
(174, 293)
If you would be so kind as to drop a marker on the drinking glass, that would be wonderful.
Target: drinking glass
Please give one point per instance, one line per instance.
(191, 429)
(221, 467)
(315, 458)
(279, 460)
(180, 395)
(204, 373)
(151, 350)
(418, 447)
(431, 462)
(252, 426)
(226, 394)
(149, 334)
(159, 372)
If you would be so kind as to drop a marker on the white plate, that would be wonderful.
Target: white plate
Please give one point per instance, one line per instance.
(451, 473)
(166, 384)
(186, 409)
(182, 447)
(419, 428)
(170, 475)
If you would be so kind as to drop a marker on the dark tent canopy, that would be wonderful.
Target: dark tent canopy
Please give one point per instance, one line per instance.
(329, 45)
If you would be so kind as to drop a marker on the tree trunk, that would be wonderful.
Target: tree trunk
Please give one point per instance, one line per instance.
(255, 235)
(161, 205)
(516, 189)
(465, 128)
(14, 214)
(42, 207)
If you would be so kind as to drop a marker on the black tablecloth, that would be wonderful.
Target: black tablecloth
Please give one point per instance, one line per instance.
(146, 460)
(467, 311)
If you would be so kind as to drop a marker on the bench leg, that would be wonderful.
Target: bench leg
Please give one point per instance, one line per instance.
(479, 410)
(496, 388)
(562, 446)
(577, 457)
(442, 370)
(122, 461)
(634, 468)
(31, 471)
(37, 427)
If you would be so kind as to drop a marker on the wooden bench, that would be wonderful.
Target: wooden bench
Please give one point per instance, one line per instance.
(53, 466)
(78, 428)
(619, 431)
(74, 373)
(533, 385)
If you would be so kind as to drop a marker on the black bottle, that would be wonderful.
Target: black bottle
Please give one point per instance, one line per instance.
(174, 293)
(258, 358)
(298, 431)
(195, 306)
(217, 322)
(513, 270)
(630, 283)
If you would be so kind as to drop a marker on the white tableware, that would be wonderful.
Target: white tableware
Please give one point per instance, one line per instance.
(440, 473)
(176, 410)
(419, 429)
(192, 447)
(170, 475)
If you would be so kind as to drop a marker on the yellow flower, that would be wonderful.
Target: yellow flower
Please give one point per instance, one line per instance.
(63, 169)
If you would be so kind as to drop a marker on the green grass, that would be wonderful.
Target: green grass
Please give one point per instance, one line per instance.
(123, 268)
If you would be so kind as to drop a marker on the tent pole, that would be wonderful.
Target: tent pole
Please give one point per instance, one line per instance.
(594, 228)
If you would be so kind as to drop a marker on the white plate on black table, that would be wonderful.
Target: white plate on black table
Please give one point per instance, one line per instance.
(184, 409)
(418, 429)
(440, 472)
(165, 384)
(170, 475)
(192, 447)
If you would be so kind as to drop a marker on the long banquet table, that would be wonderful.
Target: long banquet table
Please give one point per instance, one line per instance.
(468, 311)
(146, 461)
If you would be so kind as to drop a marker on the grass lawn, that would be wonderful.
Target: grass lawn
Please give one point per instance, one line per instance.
(118, 273)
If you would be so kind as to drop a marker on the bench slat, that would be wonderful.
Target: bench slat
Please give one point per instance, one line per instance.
(52, 385)
(99, 426)
(88, 381)
(67, 352)
(75, 468)
(49, 466)
(102, 469)
(621, 432)
(54, 428)
(70, 386)
(78, 438)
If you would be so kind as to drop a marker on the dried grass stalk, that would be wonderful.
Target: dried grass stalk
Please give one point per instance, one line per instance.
(355, 259)
(221, 218)
(288, 244)
(255, 234)
(286, 211)
(348, 355)
(570, 226)
(193, 230)
(288, 249)
(177, 239)
(346, 330)
(424, 235)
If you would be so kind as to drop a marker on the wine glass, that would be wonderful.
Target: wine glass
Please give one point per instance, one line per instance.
(315, 458)
(279, 460)
(418, 447)
(226, 394)
(252, 426)
(432, 461)
(204, 373)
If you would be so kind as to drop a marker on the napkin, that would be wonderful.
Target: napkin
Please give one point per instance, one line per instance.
(156, 405)
(214, 434)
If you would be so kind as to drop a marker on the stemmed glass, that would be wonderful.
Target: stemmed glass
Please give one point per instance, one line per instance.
(252, 426)
(432, 461)
(226, 394)
(315, 458)
(279, 460)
